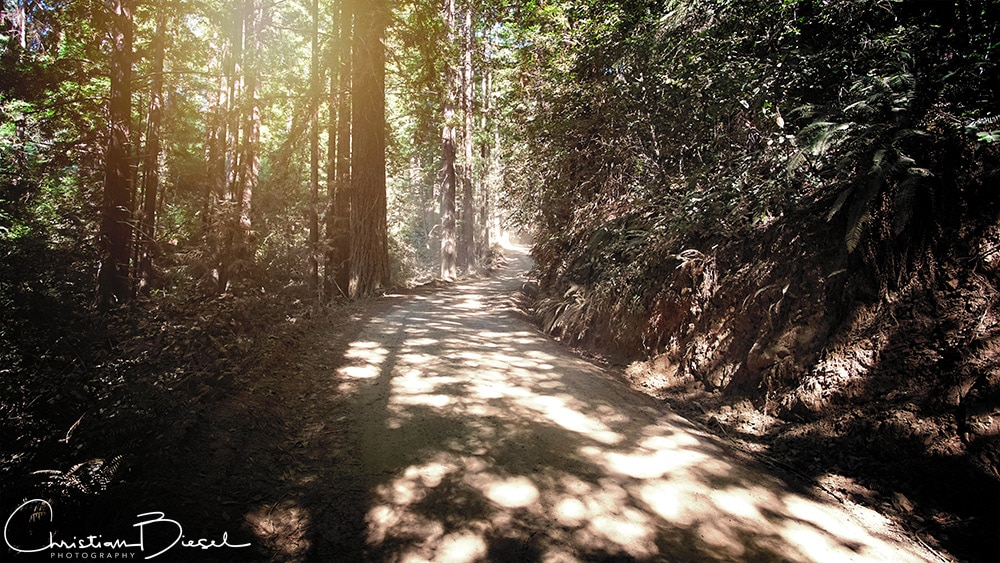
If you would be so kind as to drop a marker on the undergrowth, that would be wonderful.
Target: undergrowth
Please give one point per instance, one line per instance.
(85, 391)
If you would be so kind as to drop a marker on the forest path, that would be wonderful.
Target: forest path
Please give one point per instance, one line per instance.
(476, 437)
(440, 425)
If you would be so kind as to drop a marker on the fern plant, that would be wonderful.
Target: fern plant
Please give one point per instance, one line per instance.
(977, 127)
(873, 128)
(86, 478)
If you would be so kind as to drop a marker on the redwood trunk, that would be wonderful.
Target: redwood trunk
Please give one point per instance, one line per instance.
(151, 160)
(466, 246)
(250, 157)
(369, 244)
(113, 280)
(339, 168)
(314, 93)
(448, 150)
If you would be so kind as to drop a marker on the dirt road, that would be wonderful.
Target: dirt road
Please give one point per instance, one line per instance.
(442, 426)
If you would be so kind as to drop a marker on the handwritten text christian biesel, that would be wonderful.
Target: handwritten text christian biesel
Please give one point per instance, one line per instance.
(148, 521)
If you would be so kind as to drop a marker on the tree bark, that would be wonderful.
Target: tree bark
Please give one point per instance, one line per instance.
(217, 136)
(369, 240)
(20, 21)
(115, 236)
(314, 93)
(233, 166)
(337, 263)
(466, 236)
(485, 153)
(151, 158)
(237, 103)
(448, 150)
(250, 157)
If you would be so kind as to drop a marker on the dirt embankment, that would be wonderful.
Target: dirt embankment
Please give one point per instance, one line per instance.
(886, 392)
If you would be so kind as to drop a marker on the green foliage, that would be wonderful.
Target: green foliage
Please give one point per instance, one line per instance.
(658, 126)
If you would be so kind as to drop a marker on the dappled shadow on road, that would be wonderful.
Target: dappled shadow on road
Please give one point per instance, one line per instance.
(477, 438)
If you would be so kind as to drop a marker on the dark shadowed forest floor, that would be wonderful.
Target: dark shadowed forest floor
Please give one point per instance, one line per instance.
(440, 425)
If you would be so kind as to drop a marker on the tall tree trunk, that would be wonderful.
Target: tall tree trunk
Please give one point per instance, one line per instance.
(217, 135)
(237, 103)
(314, 93)
(250, 157)
(369, 241)
(448, 149)
(151, 157)
(230, 182)
(20, 21)
(486, 156)
(329, 270)
(113, 280)
(211, 158)
(337, 273)
(466, 243)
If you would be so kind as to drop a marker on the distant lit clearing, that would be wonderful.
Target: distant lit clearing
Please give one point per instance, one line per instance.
(479, 432)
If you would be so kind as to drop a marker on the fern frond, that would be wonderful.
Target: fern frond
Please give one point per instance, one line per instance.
(816, 126)
(40, 512)
(828, 138)
(90, 476)
(862, 108)
(878, 163)
(988, 136)
(797, 159)
(905, 162)
(838, 204)
(903, 206)
(860, 215)
(902, 80)
(804, 111)
(906, 133)
(984, 122)
(855, 230)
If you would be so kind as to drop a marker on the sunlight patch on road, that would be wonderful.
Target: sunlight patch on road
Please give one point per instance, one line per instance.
(656, 456)
(366, 358)
(743, 503)
(490, 377)
(808, 538)
(570, 512)
(418, 342)
(461, 547)
(843, 535)
(416, 359)
(718, 533)
(470, 303)
(425, 400)
(557, 410)
(631, 529)
(515, 492)
(392, 515)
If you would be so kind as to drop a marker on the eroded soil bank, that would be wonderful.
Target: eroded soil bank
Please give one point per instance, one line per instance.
(886, 391)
